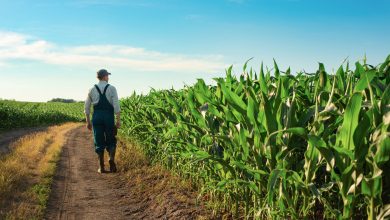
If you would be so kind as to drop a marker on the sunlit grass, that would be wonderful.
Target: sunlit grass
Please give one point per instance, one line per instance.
(26, 173)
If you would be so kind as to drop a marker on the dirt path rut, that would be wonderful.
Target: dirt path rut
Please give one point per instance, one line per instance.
(78, 191)
(142, 192)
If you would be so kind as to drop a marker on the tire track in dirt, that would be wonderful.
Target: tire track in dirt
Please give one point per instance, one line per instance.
(78, 191)
(142, 192)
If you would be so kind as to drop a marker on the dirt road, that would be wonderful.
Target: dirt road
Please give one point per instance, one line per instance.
(8, 137)
(79, 192)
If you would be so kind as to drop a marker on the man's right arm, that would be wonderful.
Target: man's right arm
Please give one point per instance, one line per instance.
(87, 109)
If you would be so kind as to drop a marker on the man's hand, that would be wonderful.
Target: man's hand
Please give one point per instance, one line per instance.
(118, 119)
(89, 126)
(88, 120)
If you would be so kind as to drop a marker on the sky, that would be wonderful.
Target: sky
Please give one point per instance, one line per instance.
(53, 49)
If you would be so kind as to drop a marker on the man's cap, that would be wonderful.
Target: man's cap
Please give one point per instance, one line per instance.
(102, 72)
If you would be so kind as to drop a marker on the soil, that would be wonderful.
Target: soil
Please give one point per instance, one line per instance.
(8, 137)
(145, 192)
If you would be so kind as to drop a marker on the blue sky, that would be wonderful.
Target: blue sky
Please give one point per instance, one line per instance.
(54, 48)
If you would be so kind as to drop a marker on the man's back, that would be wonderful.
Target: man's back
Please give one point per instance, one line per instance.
(93, 96)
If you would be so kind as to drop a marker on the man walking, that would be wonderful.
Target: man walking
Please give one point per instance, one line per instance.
(104, 99)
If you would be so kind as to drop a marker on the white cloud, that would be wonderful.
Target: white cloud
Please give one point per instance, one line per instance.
(7, 38)
(15, 46)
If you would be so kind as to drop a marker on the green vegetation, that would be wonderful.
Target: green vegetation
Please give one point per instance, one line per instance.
(15, 114)
(27, 172)
(276, 146)
(62, 100)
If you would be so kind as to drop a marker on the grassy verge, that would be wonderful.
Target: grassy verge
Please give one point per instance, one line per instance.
(26, 173)
(158, 184)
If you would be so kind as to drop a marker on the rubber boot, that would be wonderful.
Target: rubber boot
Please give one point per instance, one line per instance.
(101, 162)
(111, 161)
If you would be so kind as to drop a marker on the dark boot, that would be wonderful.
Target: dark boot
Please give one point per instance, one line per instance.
(101, 162)
(111, 161)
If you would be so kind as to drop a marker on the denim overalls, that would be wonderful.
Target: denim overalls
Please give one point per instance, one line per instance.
(103, 123)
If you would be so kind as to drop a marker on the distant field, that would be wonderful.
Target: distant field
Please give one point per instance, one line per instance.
(14, 114)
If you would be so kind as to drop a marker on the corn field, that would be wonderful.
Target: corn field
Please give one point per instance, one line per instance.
(14, 114)
(270, 144)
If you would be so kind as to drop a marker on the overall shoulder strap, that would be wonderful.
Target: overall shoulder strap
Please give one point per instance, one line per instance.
(105, 89)
(97, 87)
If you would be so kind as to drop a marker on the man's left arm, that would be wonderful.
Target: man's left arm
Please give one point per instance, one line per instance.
(117, 109)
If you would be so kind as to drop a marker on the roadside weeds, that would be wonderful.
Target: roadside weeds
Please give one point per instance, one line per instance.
(26, 173)
(158, 192)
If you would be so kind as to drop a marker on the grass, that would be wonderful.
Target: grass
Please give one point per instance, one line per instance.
(139, 168)
(26, 173)
(150, 180)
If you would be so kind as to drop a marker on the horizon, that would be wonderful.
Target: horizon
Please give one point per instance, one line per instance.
(53, 49)
(184, 84)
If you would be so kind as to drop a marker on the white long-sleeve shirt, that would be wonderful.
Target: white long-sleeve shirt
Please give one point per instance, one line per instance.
(93, 97)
